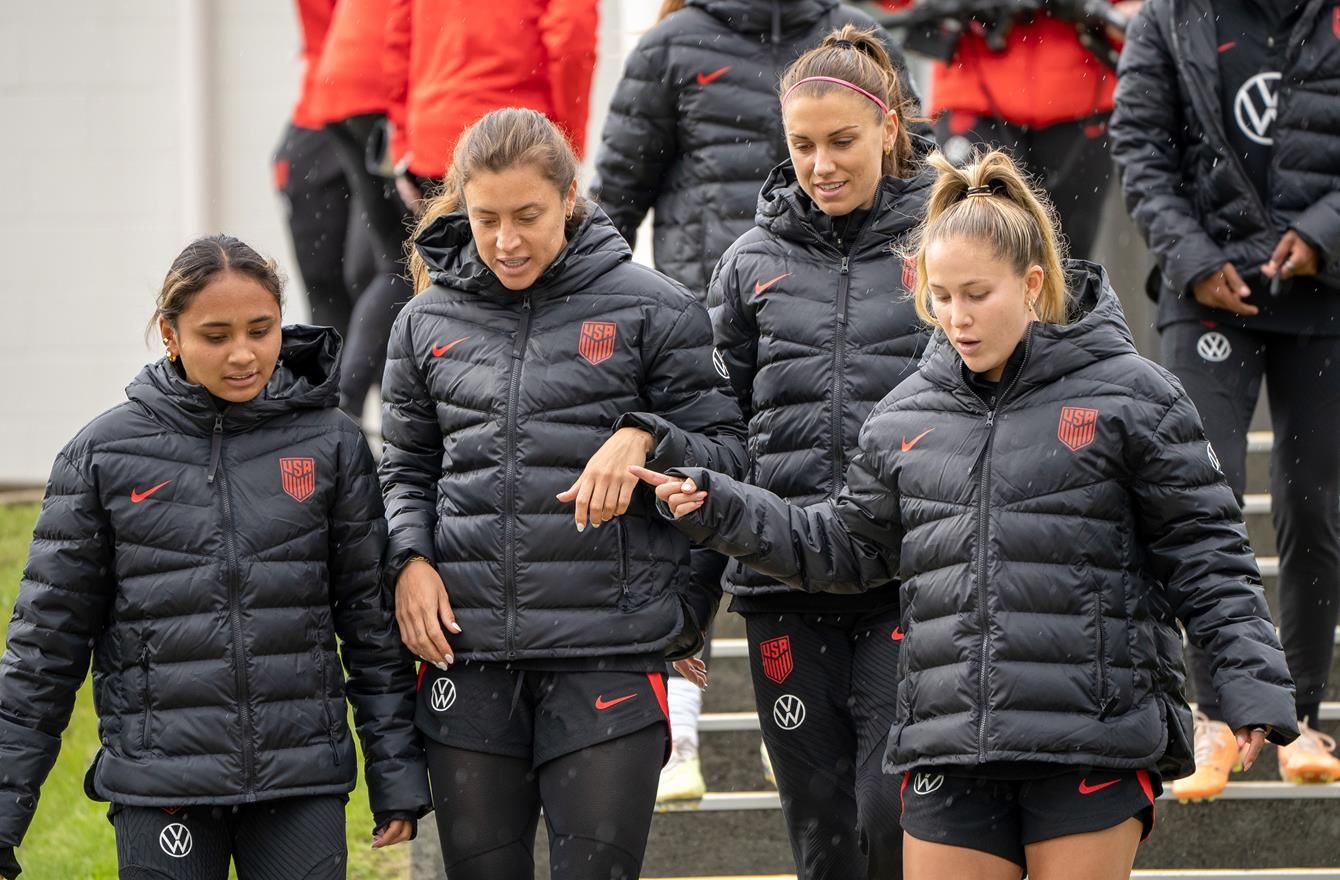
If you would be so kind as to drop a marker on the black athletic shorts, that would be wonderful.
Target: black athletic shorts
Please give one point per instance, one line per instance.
(541, 715)
(1002, 816)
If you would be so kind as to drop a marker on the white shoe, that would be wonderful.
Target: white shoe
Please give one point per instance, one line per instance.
(682, 776)
(768, 773)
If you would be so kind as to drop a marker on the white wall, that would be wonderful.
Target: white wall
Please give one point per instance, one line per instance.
(103, 180)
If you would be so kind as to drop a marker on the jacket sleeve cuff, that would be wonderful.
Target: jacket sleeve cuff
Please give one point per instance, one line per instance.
(1273, 708)
(1319, 226)
(670, 444)
(9, 865)
(381, 820)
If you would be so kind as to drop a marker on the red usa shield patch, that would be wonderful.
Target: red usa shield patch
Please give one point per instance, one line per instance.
(597, 341)
(1077, 426)
(1335, 22)
(776, 656)
(298, 477)
(909, 274)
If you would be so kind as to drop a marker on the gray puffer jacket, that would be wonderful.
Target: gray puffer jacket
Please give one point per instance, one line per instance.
(1047, 548)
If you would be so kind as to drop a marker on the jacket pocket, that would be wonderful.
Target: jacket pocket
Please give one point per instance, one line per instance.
(324, 697)
(145, 696)
(1105, 703)
(621, 565)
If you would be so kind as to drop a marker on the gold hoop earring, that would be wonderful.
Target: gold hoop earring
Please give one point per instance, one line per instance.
(172, 357)
(167, 351)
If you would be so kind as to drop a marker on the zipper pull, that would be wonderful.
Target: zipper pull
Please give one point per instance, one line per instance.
(990, 417)
(215, 448)
(842, 270)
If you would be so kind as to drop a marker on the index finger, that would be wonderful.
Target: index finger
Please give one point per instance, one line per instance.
(652, 478)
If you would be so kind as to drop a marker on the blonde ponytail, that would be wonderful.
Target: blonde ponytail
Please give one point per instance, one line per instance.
(990, 200)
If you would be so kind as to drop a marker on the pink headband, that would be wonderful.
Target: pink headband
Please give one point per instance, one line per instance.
(841, 82)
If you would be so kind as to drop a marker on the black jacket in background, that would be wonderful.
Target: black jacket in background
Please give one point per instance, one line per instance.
(1189, 193)
(1046, 551)
(695, 124)
(494, 402)
(211, 608)
(813, 337)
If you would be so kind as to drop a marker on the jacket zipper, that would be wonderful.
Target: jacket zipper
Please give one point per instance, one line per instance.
(235, 605)
(1103, 707)
(620, 530)
(509, 480)
(325, 703)
(839, 370)
(144, 668)
(983, 513)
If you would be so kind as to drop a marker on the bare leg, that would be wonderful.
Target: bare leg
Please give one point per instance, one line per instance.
(1094, 855)
(923, 860)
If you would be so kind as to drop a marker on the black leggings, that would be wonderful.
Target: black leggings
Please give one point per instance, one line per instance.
(386, 221)
(1070, 160)
(597, 806)
(290, 839)
(1222, 368)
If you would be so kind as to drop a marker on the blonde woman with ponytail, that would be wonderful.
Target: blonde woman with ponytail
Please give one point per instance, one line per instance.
(1047, 501)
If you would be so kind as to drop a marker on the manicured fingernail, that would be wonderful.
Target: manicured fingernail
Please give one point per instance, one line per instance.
(454, 626)
(581, 527)
(442, 666)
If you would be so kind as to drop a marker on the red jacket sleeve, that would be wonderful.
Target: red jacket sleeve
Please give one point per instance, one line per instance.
(396, 72)
(568, 30)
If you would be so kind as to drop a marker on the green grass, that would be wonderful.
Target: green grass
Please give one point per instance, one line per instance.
(70, 835)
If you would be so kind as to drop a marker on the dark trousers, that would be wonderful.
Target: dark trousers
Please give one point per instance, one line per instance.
(1069, 159)
(332, 250)
(386, 221)
(289, 839)
(1222, 369)
(825, 686)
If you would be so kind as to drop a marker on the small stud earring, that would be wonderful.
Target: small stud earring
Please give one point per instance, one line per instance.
(172, 356)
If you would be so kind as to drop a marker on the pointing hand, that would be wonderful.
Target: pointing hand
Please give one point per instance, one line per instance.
(680, 495)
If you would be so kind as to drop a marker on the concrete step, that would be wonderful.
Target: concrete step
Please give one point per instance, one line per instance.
(1264, 874)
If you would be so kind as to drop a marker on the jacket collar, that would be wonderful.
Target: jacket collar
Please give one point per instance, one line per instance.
(594, 248)
(307, 377)
(772, 18)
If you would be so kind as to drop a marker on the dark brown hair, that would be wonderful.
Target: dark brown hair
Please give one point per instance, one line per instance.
(669, 6)
(858, 57)
(500, 140)
(204, 260)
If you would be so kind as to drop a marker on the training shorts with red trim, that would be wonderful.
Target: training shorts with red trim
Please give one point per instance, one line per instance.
(536, 714)
(1002, 816)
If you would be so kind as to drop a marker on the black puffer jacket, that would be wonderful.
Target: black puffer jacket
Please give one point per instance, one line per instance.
(496, 400)
(695, 126)
(1046, 550)
(814, 335)
(207, 562)
(1185, 187)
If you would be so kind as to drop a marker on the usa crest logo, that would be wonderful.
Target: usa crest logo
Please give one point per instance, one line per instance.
(776, 657)
(1077, 426)
(909, 274)
(597, 341)
(298, 477)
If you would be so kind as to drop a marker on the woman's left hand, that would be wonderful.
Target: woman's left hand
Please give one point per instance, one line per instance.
(393, 832)
(693, 669)
(605, 487)
(1250, 741)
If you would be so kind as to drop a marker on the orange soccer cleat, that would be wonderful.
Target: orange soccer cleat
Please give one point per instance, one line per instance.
(1216, 754)
(1310, 758)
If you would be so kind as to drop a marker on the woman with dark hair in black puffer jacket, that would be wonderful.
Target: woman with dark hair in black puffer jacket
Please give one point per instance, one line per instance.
(1051, 508)
(205, 544)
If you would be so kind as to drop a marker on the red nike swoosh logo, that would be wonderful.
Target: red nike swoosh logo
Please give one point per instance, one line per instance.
(439, 350)
(705, 78)
(1224, 47)
(1085, 788)
(759, 288)
(897, 634)
(602, 704)
(908, 444)
(136, 497)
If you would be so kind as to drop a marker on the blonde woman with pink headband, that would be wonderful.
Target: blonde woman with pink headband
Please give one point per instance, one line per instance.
(814, 324)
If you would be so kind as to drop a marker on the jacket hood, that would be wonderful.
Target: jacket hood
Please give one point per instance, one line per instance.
(787, 212)
(768, 17)
(1097, 331)
(307, 377)
(594, 248)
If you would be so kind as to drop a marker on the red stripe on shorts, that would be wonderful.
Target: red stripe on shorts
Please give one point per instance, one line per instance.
(1143, 777)
(657, 680)
(423, 667)
(902, 805)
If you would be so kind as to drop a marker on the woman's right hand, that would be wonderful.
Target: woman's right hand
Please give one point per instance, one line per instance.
(423, 611)
(681, 496)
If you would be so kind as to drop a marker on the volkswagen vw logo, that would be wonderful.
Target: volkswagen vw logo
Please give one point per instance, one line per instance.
(788, 712)
(927, 783)
(175, 840)
(444, 694)
(1214, 459)
(720, 363)
(1255, 106)
(1213, 347)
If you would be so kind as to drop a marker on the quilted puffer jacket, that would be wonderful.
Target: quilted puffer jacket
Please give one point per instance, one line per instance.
(494, 402)
(695, 124)
(814, 335)
(207, 561)
(1047, 545)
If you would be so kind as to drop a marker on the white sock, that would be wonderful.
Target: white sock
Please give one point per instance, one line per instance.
(686, 703)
